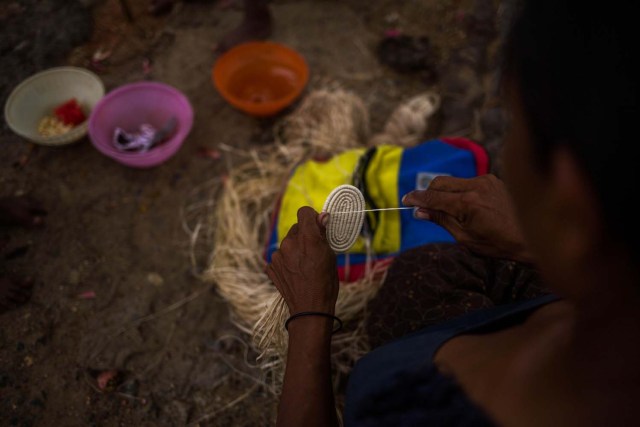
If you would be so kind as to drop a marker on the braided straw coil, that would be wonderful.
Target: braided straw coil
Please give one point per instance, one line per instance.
(344, 228)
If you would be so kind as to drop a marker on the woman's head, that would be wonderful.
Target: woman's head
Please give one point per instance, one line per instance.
(571, 78)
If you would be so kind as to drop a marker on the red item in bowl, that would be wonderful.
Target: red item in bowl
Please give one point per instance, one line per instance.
(70, 113)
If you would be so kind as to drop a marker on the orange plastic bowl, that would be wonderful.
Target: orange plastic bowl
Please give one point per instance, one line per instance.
(260, 78)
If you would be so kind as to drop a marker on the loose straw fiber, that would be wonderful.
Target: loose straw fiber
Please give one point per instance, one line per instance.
(325, 124)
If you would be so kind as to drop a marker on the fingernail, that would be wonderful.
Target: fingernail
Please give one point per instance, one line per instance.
(422, 214)
(404, 198)
(325, 219)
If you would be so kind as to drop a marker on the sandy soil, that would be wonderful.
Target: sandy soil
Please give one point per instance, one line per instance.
(120, 232)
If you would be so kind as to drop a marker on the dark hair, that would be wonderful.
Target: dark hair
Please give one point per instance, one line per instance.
(575, 67)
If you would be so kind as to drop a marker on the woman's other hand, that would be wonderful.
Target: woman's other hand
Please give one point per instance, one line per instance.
(478, 212)
(304, 268)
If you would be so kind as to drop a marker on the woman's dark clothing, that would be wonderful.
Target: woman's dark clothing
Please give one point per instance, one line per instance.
(438, 282)
(440, 291)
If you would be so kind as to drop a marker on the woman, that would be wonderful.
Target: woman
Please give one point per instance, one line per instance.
(570, 84)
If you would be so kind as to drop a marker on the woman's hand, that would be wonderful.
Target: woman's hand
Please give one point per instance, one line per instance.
(478, 212)
(304, 268)
(304, 271)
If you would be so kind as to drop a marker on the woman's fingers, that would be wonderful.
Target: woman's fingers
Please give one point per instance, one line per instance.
(308, 221)
(293, 230)
(451, 184)
(303, 269)
(429, 200)
(271, 272)
(275, 277)
(323, 220)
(444, 220)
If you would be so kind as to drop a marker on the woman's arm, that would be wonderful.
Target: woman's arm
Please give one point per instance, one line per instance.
(304, 271)
(307, 394)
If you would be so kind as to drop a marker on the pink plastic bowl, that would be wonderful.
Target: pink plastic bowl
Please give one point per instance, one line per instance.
(131, 105)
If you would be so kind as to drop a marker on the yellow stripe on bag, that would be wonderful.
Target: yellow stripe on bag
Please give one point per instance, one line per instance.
(312, 182)
(382, 186)
(310, 185)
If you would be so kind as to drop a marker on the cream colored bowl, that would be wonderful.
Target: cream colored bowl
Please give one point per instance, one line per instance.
(38, 95)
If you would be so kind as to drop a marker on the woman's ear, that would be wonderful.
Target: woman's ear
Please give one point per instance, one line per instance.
(578, 221)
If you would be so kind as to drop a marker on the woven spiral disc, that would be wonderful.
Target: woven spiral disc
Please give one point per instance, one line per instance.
(344, 228)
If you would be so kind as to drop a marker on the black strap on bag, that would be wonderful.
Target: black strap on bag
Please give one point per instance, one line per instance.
(371, 220)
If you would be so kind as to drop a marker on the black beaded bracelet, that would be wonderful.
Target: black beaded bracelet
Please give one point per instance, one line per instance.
(314, 313)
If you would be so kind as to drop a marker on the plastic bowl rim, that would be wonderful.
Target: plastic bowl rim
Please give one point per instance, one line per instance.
(166, 150)
(280, 102)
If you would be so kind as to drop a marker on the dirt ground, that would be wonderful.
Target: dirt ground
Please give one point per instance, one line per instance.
(120, 232)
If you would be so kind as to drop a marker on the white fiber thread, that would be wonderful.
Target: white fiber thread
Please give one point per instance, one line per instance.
(374, 210)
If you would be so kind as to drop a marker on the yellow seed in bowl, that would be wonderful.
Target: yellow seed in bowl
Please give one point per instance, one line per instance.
(52, 126)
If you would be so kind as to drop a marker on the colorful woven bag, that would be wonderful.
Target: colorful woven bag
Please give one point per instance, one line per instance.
(384, 174)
